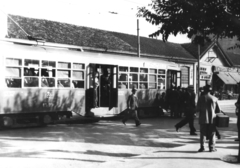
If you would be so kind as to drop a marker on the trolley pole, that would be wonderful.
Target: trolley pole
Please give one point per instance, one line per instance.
(198, 85)
(138, 38)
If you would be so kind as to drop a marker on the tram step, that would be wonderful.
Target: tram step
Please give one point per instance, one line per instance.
(103, 111)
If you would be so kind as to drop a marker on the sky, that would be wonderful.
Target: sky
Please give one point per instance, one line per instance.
(110, 15)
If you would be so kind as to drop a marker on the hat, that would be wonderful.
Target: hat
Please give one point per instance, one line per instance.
(207, 88)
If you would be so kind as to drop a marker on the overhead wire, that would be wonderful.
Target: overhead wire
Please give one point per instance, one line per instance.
(15, 23)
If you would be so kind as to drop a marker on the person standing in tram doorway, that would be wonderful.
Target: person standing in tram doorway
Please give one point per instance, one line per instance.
(132, 105)
(105, 86)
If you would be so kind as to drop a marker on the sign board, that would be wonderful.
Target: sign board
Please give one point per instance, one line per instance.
(225, 69)
(205, 77)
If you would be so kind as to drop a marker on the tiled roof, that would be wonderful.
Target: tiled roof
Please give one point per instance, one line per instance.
(228, 43)
(64, 33)
(235, 58)
(193, 48)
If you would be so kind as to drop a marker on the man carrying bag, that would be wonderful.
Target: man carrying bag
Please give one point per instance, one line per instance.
(132, 105)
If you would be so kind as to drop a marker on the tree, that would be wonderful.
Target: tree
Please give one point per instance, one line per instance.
(209, 17)
(206, 17)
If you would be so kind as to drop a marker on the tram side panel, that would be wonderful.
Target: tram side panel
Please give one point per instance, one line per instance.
(145, 99)
(40, 100)
(19, 104)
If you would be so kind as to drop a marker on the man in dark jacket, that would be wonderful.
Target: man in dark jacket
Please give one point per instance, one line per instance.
(207, 106)
(190, 111)
(237, 104)
(132, 105)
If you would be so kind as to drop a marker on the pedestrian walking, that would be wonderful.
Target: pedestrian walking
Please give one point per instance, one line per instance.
(158, 104)
(174, 97)
(132, 105)
(237, 104)
(207, 106)
(181, 101)
(190, 112)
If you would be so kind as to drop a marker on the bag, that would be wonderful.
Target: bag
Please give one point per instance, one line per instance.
(222, 120)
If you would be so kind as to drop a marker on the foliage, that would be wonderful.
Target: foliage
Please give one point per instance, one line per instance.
(207, 17)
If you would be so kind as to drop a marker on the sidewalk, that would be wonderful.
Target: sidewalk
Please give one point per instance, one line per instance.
(111, 144)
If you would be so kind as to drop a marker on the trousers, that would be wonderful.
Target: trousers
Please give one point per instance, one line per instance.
(207, 130)
(129, 113)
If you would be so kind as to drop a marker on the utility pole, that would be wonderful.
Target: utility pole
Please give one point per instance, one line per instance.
(138, 38)
(198, 85)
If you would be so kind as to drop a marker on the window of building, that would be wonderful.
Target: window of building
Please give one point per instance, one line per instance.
(185, 76)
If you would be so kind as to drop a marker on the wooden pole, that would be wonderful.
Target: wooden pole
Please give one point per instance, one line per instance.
(138, 38)
(198, 71)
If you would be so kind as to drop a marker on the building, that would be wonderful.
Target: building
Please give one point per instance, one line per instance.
(218, 67)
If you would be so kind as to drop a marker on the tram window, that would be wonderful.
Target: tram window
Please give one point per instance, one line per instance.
(133, 69)
(143, 70)
(65, 65)
(152, 78)
(161, 82)
(143, 77)
(133, 77)
(48, 72)
(13, 82)
(48, 82)
(133, 84)
(63, 73)
(122, 85)
(123, 77)
(152, 86)
(49, 64)
(123, 69)
(63, 83)
(161, 71)
(78, 66)
(30, 62)
(143, 85)
(77, 84)
(78, 75)
(152, 71)
(30, 82)
(13, 61)
(31, 72)
(13, 72)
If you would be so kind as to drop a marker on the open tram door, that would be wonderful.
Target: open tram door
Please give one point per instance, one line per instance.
(173, 78)
(102, 88)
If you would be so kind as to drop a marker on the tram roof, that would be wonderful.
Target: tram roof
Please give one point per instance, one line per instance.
(63, 33)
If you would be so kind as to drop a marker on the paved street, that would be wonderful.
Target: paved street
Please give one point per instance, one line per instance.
(111, 144)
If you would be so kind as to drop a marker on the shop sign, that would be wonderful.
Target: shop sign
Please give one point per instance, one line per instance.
(205, 77)
(225, 69)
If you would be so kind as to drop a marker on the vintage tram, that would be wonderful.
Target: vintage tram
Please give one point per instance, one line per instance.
(41, 81)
